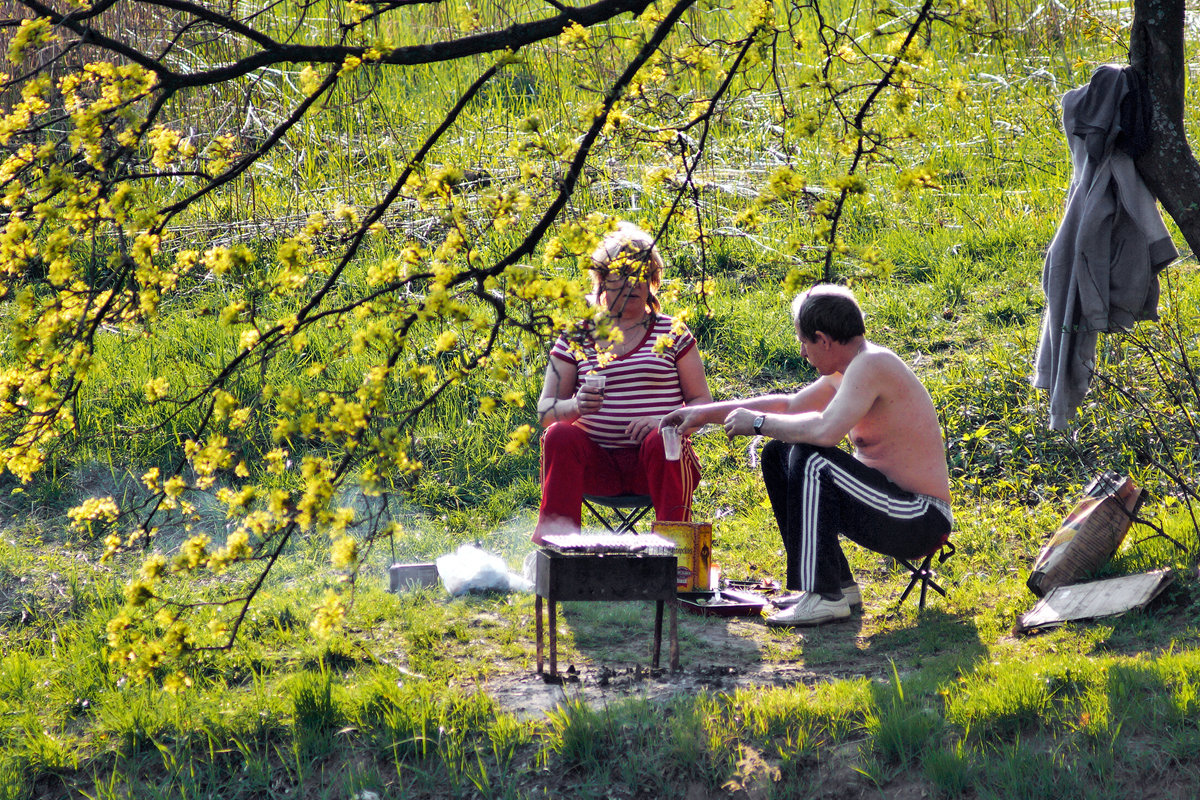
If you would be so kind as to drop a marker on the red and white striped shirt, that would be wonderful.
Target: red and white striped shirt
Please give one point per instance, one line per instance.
(642, 383)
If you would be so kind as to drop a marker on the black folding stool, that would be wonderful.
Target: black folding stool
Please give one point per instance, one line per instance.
(624, 510)
(924, 574)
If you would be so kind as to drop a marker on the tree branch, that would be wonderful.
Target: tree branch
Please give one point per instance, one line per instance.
(514, 37)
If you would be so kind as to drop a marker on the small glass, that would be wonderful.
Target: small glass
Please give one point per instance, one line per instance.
(671, 443)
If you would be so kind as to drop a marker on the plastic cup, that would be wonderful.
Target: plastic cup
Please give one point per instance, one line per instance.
(670, 437)
(594, 381)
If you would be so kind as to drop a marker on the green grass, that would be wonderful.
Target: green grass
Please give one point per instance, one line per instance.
(947, 698)
(399, 703)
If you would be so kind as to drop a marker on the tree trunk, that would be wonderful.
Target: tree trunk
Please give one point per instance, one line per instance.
(1167, 166)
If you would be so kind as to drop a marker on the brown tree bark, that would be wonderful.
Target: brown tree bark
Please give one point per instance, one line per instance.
(1168, 165)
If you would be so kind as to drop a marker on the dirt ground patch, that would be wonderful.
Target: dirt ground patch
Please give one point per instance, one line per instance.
(531, 695)
(716, 655)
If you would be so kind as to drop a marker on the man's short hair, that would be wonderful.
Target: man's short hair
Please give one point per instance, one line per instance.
(830, 309)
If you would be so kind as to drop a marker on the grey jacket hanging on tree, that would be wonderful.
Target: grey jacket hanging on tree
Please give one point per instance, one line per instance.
(1101, 271)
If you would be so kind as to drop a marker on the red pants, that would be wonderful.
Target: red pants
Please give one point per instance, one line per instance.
(573, 465)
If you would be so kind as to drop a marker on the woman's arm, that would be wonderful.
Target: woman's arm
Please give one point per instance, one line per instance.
(559, 401)
(692, 380)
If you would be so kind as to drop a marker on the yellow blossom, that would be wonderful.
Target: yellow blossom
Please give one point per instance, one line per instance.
(93, 509)
(193, 553)
(153, 567)
(329, 615)
(518, 439)
(176, 682)
(663, 343)
(156, 389)
(344, 552)
(138, 593)
(150, 479)
(573, 36)
(446, 341)
(310, 80)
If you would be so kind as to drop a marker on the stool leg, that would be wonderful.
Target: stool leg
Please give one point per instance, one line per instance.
(919, 575)
(658, 616)
(553, 622)
(537, 626)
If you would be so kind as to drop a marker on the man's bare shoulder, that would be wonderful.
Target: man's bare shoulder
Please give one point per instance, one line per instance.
(876, 358)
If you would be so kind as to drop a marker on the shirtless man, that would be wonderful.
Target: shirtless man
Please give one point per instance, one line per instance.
(892, 496)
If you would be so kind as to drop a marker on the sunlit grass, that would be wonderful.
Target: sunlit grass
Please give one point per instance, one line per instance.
(393, 706)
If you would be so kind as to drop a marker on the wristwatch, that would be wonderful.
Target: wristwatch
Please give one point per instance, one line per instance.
(758, 423)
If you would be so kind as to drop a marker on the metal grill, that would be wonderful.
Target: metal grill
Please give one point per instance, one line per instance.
(611, 575)
(610, 543)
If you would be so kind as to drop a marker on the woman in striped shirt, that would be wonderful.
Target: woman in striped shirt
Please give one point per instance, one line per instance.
(605, 440)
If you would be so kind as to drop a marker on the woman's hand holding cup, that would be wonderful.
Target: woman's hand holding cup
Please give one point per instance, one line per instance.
(590, 396)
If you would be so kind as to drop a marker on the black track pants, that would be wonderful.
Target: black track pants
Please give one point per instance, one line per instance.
(818, 493)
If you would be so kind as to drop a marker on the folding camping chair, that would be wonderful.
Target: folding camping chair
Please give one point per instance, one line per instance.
(924, 574)
(624, 511)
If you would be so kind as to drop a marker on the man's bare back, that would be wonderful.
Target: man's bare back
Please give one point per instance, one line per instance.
(899, 434)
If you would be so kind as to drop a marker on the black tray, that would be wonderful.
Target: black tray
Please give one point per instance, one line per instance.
(767, 586)
(733, 603)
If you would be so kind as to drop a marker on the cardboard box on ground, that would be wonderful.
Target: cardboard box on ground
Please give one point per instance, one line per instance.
(1090, 534)
(1085, 541)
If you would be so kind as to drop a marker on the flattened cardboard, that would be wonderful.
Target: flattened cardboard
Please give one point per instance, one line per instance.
(1094, 600)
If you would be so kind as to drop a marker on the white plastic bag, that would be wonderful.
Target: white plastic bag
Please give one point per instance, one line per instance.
(472, 569)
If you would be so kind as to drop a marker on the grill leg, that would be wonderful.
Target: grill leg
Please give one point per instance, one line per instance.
(673, 635)
(658, 616)
(553, 622)
(537, 626)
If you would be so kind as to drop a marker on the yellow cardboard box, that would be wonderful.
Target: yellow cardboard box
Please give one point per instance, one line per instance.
(693, 547)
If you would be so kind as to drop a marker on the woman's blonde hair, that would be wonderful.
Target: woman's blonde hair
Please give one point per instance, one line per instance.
(632, 251)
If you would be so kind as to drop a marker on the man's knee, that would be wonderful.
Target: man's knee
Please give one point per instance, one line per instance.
(786, 465)
(775, 450)
(782, 455)
(774, 461)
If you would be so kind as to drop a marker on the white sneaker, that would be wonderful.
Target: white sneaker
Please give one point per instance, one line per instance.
(852, 594)
(812, 609)
(787, 600)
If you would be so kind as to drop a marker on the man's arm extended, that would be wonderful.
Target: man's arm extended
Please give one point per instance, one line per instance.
(825, 426)
(814, 396)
